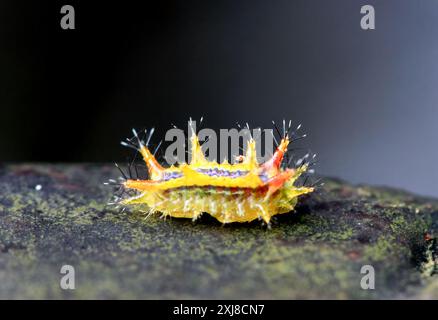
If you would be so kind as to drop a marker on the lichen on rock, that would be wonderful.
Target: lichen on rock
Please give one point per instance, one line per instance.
(315, 252)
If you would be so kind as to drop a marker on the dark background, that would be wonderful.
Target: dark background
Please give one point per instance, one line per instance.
(367, 99)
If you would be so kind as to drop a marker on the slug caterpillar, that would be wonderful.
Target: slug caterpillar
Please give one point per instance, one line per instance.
(239, 192)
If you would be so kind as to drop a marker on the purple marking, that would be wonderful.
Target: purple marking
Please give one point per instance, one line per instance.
(263, 177)
(171, 175)
(222, 173)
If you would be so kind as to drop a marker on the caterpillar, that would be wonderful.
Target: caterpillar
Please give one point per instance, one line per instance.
(239, 192)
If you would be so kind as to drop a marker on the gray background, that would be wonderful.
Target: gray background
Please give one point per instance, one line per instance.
(367, 99)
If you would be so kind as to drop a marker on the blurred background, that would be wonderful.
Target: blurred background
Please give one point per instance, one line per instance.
(367, 99)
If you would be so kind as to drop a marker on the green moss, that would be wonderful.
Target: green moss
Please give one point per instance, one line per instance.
(380, 250)
(315, 252)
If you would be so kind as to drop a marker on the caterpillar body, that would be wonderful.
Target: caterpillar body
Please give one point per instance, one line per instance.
(239, 192)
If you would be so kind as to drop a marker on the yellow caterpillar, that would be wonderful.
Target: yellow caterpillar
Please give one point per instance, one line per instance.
(239, 192)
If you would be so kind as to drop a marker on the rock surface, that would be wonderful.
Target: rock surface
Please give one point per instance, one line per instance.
(54, 215)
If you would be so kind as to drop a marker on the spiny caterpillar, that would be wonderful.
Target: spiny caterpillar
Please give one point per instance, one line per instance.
(239, 192)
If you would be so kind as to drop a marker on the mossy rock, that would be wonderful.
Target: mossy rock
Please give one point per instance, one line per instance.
(315, 252)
